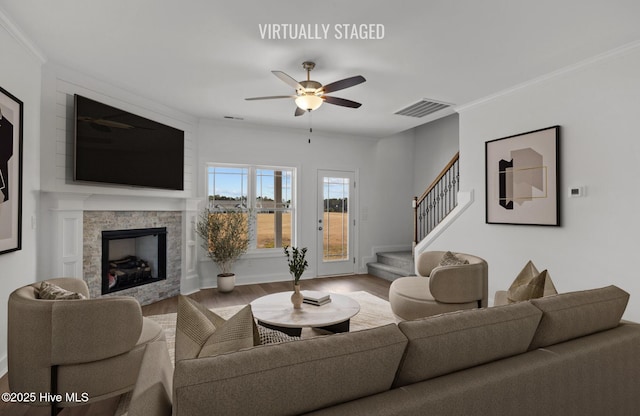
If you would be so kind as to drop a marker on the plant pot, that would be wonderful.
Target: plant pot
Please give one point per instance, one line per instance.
(226, 282)
(296, 297)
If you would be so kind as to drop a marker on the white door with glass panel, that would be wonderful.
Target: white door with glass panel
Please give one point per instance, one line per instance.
(335, 222)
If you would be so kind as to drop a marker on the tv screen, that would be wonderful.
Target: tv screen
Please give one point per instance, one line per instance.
(117, 147)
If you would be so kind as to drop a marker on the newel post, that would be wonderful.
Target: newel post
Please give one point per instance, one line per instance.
(414, 203)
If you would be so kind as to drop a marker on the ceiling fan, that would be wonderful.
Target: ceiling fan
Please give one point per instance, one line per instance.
(310, 94)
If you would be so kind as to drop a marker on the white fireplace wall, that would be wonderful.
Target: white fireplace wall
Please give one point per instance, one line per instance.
(63, 201)
(71, 221)
(59, 84)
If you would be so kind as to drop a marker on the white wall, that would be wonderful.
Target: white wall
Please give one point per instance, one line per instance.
(59, 84)
(20, 75)
(391, 226)
(383, 185)
(435, 144)
(597, 107)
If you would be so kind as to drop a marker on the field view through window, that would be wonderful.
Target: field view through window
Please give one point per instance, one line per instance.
(265, 192)
(268, 193)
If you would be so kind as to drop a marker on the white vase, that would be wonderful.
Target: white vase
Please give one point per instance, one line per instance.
(297, 297)
(226, 282)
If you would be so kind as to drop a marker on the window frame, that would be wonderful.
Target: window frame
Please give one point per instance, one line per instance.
(254, 251)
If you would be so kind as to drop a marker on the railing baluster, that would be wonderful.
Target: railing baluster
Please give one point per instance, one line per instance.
(440, 198)
(450, 204)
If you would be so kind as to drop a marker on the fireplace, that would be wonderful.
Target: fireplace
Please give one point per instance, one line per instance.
(133, 257)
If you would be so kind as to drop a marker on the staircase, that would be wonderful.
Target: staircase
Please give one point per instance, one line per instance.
(440, 198)
(392, 264)
(429, 211)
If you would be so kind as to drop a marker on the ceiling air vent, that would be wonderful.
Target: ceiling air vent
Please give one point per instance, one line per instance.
(422, 108)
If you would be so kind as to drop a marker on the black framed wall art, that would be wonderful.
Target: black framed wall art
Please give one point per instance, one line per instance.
(11, 114)
(522, 178)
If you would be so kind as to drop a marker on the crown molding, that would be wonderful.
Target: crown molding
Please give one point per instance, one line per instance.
(621, 50)
(18, 35)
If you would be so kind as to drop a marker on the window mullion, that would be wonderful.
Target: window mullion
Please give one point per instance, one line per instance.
(250, 187)
(251, 204)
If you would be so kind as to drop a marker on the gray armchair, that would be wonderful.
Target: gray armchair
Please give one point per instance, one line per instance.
(93, 346)
(438, 289)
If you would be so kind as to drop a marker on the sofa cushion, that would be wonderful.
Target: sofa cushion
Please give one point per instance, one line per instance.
(453, 341)
(49, 291)
(290, 378)
(200, 332)
(572, 315)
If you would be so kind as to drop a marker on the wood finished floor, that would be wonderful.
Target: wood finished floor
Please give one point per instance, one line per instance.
(211, 298)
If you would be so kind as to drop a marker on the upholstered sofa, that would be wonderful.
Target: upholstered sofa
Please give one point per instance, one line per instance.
(567, 354)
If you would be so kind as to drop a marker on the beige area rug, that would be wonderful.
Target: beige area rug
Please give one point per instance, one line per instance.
(373, 312)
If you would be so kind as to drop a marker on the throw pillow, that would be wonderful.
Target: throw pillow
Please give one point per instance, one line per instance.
(450, 259)
(49, 291)
(530, 284)
(272, 336)
(201, 333)
(532, 289)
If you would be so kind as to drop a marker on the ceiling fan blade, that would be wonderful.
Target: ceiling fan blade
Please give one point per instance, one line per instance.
(299, 112)
(343, 83)
(341, 101)
(288, 80)
(270, 97)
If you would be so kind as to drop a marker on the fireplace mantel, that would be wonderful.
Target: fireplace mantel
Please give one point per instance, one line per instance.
(62, 244)
(103, 202)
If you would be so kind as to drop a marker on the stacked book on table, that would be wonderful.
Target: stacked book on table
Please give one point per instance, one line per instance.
(313, 297)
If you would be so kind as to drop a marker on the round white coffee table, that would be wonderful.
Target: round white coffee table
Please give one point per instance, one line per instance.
(276, 311)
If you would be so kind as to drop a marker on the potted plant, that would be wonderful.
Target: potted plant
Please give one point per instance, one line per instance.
(224, 237)
(297, 266)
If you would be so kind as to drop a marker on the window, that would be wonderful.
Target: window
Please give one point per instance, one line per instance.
(267, 191)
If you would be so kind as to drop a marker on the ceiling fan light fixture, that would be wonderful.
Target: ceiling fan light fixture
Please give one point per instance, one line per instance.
(309, 94)
(309, 102)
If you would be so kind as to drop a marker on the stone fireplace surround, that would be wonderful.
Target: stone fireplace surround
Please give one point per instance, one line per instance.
(73, 223)
(94, 222)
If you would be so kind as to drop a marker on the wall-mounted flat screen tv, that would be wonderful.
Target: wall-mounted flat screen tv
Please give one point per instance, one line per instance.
(116, 147)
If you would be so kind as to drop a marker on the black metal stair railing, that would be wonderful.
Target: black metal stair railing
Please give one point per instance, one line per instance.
(440, 198)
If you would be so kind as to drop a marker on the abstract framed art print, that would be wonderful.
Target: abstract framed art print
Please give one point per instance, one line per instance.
(10, 172)
(522, 178)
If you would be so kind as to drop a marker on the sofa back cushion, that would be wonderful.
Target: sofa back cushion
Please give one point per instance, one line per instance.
(454, 341)
(575, 314)
(292, 377)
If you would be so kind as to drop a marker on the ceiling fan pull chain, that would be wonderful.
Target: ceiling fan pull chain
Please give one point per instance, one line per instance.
(310, 128)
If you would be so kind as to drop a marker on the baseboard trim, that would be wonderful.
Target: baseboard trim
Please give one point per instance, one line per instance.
(211, 282)
(3, 366)
(190, 284)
